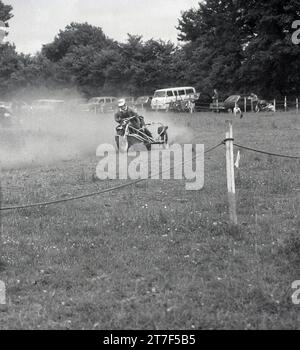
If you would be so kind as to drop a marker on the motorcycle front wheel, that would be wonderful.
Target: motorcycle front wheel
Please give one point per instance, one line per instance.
(122, 144)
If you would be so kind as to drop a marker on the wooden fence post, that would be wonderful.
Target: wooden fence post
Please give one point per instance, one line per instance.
(274, 105)
(230, 174)
(2, 284)
(285, 104)
(297, 105)
(2, 295)
(245, 104)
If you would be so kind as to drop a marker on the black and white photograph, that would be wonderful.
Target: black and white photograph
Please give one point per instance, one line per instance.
(149, 167)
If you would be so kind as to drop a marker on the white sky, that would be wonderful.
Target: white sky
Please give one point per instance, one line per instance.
(36, 22)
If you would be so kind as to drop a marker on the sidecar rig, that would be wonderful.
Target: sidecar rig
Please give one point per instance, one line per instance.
(128, 135)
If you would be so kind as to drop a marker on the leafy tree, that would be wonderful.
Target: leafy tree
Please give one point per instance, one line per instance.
(5, 12)
(272, 64)
(11, 69)
(75, 35)
(78, 57)
(146, 66)
(9, 59)
(232, 45)
(215, 35)
(134, 67)
(159, 69)
(242, 46)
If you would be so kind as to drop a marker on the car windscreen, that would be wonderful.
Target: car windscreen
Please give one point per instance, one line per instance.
(234, 98)
(160, 94)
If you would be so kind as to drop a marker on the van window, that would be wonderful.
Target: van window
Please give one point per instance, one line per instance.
(190, 91)
(181, 92)
(160, 94)
(169, 93)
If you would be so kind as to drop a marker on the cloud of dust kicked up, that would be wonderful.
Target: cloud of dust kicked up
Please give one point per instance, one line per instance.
(43, 138)
(178, 132)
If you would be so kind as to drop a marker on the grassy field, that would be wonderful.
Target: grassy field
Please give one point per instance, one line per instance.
(155, 256)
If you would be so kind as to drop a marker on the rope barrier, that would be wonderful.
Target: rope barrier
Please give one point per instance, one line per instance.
(94, 194)
(265, 152)
(112, 189)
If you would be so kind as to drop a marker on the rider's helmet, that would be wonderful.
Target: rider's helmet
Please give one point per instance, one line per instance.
(122, 105)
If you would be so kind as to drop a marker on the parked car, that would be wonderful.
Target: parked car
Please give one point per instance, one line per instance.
(264, 106)
(5, 117)
(47, 106)
(129, 101)
(7, 105)
(101, 104)
(229, 104)
(203, 102)
(21, 106)
(143, 103)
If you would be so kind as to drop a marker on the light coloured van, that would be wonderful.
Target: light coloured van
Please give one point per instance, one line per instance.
(163, 97)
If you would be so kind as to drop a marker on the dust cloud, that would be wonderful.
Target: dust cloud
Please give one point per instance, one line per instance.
(43, 137)
(178, 131)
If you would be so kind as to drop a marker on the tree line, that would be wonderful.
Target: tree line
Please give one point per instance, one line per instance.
(229, 45)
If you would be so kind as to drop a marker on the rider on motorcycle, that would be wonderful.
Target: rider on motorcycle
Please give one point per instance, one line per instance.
(137, 121)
